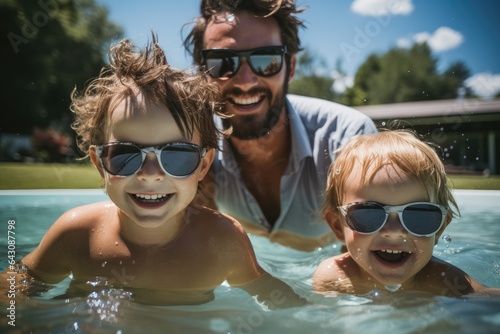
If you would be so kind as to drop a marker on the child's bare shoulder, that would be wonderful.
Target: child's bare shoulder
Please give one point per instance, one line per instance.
(445, 278)
(87, 216)
(328, 271)
(215, 219)
(222, 229)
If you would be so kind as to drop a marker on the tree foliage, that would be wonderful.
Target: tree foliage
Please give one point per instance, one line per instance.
(308, 81)
(399, 75)
(403, 75)
(49, 47)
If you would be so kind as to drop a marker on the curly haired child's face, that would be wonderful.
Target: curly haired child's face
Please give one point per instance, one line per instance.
(144, 123)
(392, 255)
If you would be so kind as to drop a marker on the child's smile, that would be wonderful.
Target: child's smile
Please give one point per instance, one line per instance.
(391, 255)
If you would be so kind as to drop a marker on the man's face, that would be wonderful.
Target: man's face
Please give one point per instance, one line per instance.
(255, 101)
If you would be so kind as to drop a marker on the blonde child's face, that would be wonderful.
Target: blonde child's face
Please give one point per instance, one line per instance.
(144, 123)
(378, 253)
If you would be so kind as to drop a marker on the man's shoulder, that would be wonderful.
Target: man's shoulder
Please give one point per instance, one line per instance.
(316, 113)
(310, 107)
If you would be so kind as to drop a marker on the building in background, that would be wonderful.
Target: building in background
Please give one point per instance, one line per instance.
(468, 131)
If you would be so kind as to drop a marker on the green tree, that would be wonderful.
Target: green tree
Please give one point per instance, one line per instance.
(308, 80)
(403, 75)
(49, 47)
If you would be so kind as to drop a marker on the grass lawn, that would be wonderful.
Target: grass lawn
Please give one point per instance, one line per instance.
(68, 176)
(48, 176)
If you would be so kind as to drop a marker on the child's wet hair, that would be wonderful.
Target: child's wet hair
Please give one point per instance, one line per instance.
(191, 99)
(402, 149)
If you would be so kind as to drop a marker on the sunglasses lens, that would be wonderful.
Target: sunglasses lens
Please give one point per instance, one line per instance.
(265, 61)
(222, 65)
(121, 160)
(180, 160)
(365, 218)
(266, 65)
(422, 219)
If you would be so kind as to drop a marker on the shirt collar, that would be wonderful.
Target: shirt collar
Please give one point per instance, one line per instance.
(301, 148)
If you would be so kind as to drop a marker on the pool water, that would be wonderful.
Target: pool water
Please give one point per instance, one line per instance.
(470, 243)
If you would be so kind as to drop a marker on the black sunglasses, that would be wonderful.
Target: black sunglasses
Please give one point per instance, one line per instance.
(224, 63)
(423, 219)
(176, 159)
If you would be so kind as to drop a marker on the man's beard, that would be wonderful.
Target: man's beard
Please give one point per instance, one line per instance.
(252, 126)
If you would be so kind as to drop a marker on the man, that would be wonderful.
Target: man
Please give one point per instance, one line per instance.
(271, 171)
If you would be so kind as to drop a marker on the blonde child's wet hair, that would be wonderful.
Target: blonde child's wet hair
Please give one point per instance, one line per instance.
(190, 98)
(399, 148)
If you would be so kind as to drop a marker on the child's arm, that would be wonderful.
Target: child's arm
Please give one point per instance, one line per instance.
(48, 262)
(248, 275)
(272, 292)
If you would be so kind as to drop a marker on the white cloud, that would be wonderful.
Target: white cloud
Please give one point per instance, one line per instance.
(443, 39)
(485, 85)
(341, 82)
(403, 43)
(422, 37)
(382, 7)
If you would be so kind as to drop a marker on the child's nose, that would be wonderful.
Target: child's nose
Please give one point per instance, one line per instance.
(393, 227)
(151, 169)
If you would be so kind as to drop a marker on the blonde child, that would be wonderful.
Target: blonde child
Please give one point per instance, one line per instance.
(149, 131)
(388, 200)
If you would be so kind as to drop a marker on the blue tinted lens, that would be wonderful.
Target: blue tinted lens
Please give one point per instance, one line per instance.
(180, 160)
(121, 160)
(365, 218)
(422, 219)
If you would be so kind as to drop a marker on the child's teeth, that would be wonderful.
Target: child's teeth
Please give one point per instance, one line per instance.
(153, 197)
(391, 251)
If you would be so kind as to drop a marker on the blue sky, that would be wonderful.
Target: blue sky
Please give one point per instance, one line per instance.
(346, 32)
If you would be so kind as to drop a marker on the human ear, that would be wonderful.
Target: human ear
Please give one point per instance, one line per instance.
(206, 162)
(95, 160)
(333, 220)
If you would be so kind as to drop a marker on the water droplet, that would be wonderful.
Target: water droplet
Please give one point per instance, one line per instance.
(383, 123)
(116, 243)
(104, 264)
(392, 288)
(337, 171)
(446, 238)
